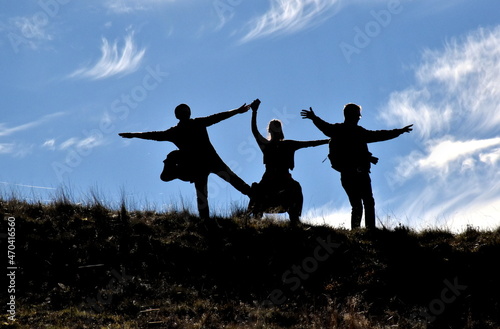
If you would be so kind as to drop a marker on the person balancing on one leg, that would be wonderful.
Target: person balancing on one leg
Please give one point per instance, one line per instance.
(196, 157)
(350, 156)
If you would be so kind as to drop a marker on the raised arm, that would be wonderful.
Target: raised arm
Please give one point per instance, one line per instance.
(218, 117)
(318, 122)
(261, 140)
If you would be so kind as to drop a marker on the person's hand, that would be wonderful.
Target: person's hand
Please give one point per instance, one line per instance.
(255, 105)
(407, 129)
(243, 108)
(308, 114)
(126, 135)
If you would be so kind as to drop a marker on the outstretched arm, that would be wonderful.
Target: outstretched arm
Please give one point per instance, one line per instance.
(318, 122)
(152, 135)
(383, 135)
(303, 144)
(128, 135)
(261, 140)
(218, 117)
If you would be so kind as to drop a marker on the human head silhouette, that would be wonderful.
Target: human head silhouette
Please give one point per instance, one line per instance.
(182, 112)
(352, 113)
(275, 130)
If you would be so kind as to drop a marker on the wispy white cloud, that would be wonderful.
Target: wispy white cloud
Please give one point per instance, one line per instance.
(90, 142)
(6, 148)
(68, 143)
(80, 144)
(328, 215)
(17, 150)
(454, 105)
(492, 157)
(287, 16)
(129, 6)
(457, 89)
(29, 186)
(49, 144)
(454, 203)
(114, 61)
(5, 131)
(447, 156)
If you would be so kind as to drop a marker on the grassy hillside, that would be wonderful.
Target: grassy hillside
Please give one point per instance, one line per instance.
(86, 266)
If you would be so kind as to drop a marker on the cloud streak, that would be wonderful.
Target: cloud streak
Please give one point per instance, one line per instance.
(6, 131)
(86, 143)
(288, 16)
(448, 156)
(6, 148)
(17, 150)
(113, 61)
(29, 186)
(454, 105)
(129, 6)
(74, 143)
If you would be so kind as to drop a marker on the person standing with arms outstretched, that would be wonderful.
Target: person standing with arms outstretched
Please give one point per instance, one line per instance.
(198, 157)
(350, 156)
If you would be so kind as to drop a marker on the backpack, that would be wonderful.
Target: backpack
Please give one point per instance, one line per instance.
(347, 153)
(339, 165)
(336, 159)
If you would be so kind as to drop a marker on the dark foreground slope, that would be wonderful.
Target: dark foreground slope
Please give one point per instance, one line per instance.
(90, 267)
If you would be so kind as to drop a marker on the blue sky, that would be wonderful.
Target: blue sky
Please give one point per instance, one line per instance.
(76, 73)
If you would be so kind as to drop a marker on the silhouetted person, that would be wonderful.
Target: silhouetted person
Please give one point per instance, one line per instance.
(277, 189)
(350, 156)
(196, 157)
